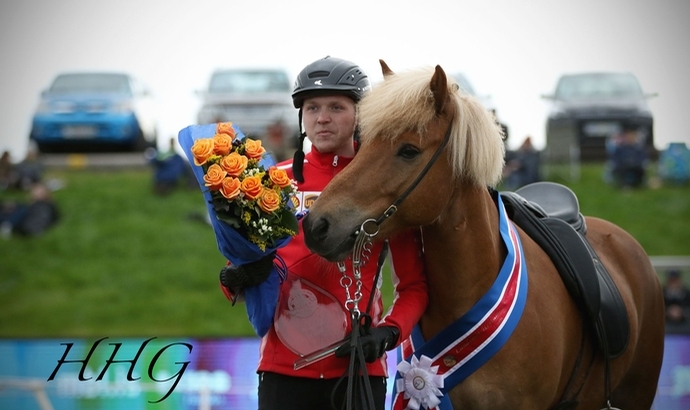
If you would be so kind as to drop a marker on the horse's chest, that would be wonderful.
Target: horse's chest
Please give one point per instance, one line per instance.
(471, 397)
(477, 393)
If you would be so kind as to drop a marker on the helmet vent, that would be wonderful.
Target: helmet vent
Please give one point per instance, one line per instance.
(319, 74)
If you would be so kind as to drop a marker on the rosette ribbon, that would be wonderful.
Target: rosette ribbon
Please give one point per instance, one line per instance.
(260, 300)
(421, 383)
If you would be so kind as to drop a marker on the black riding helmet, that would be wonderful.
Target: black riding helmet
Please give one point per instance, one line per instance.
(329, 76)
(326, 76)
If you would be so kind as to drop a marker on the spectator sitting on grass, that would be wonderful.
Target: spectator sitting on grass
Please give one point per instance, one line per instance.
(31, 218)
(169, 169)
(29, 171)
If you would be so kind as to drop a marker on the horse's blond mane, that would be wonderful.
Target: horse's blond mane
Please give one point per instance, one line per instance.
(403, 102)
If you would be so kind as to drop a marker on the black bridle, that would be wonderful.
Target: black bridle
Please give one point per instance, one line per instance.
(394, 206)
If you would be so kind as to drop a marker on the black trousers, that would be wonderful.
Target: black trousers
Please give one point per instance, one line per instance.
(280, 392)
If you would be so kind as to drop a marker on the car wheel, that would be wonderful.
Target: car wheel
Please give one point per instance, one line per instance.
(43, 147)
(140, 143)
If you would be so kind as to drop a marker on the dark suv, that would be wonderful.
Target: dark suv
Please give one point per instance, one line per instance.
(590, 108)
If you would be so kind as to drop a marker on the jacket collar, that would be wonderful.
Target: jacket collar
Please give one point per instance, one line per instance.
(326, 160)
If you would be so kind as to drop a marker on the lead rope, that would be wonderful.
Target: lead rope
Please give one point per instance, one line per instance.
(358, 383)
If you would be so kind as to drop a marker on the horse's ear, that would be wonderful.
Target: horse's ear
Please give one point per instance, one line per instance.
(439, 89)
(385, 69)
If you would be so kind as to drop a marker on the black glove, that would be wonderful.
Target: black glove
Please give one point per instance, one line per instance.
(375, 341)
(238, 277)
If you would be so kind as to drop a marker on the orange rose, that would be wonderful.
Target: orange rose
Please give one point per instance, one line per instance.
(269, 201)
(214, 177)
(225, 128)
(279, 177)
(202, 150)
(230, 188)
(234, 164)
(222, 143)
(251, 186)
(253, 148)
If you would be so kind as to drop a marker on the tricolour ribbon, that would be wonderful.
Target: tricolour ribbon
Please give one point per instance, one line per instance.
(432, 368)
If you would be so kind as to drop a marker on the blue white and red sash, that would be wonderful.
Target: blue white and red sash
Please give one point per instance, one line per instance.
(432, 368)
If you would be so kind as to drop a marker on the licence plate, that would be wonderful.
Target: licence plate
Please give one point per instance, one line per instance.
(79, 131)
(601, 128)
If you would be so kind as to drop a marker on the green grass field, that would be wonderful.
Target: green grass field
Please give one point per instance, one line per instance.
(124, 262)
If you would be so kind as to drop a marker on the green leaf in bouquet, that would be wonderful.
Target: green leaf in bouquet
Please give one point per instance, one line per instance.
(220, 204)
(289, 220)
(230, 219)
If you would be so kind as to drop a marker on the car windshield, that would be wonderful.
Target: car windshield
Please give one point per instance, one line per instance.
(249, 82)
(91, 83)
(601, 85)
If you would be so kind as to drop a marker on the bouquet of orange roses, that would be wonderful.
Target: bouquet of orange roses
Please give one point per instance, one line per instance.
(250, 201)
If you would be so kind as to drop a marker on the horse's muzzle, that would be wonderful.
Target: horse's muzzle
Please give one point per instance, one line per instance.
(320, 239)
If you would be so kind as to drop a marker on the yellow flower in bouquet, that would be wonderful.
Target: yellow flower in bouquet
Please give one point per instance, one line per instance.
(253, 200)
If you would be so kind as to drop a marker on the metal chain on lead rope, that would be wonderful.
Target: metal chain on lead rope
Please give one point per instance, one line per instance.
(361, 251)
(359, 392)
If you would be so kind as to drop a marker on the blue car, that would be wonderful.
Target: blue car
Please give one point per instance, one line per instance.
(94, 111)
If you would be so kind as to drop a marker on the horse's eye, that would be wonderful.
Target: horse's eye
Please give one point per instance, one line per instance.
(408, 151)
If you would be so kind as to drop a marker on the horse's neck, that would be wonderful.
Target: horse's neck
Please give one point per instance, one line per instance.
(463, 252)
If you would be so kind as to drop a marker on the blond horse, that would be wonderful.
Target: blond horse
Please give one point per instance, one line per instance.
(551, 359)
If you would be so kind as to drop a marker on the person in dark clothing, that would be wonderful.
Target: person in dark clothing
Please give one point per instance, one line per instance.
(30, 171)
(32, 218)
(522, 166)
(170, 169)
(628, 159)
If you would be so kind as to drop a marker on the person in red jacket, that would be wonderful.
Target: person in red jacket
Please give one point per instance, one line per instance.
(310, 311)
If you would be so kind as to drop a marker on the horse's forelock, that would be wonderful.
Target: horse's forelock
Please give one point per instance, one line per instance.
(476, 146)
(403, 102)
(400, 103)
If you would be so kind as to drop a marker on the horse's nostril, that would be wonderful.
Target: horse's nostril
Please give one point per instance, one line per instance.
(315, 229)
(319, 229)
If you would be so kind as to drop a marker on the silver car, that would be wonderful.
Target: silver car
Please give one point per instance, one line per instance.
(252, 99)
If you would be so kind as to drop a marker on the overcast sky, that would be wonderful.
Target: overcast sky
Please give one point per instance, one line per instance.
(514, 51)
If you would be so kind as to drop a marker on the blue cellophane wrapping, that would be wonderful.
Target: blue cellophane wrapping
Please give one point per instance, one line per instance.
(260, 300)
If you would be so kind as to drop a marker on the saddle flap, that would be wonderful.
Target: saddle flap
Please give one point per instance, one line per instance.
(602, 298)
(613, 316)
(579, 265)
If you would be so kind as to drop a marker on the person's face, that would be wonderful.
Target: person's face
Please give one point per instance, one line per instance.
(329, 122)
